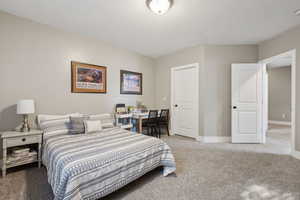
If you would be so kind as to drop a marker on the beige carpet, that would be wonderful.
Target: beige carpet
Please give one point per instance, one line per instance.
(204, 172)
(278, 141)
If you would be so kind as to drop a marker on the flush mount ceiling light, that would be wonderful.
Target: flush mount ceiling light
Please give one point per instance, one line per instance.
(159, 7)
(297, 12)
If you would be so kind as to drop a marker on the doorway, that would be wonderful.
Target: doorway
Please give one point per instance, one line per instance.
(279, 101)
(185, 100)
(246, 83)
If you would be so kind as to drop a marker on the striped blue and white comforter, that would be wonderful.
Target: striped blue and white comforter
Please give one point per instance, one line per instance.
(90, 166)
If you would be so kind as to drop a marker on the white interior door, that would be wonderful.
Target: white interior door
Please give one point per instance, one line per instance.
(185, 100)
(247, 103)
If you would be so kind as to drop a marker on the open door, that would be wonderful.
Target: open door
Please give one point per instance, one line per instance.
(247, 103)
(265, 102)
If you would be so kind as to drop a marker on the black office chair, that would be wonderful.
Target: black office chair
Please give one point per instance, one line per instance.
(163, 121)
(151, 123)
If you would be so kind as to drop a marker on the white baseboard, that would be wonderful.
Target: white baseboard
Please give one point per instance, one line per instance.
(215, 139)
(296, 154)
(211, 139)
(280, 122)
(199, 138)
(171, 133)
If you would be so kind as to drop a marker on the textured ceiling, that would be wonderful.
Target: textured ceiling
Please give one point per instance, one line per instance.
(129, 24)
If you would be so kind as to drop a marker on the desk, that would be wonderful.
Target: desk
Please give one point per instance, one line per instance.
(140, 117)
(120, 118)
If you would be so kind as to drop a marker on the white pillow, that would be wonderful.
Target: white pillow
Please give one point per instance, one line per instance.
(106, 119)
(53, 125)
(50, 117)
(92, 126)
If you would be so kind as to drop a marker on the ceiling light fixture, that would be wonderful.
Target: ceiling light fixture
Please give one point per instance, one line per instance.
(159, 7)
(297, 12)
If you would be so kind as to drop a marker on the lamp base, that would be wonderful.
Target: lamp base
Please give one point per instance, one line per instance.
(25, 126)
(24, 129)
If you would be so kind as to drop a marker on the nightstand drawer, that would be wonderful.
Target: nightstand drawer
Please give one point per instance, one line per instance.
(12, 142)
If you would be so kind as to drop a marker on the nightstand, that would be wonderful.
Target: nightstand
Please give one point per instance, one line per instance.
(10, 140)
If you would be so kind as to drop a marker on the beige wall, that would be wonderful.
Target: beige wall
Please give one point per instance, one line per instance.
(163, 67)
(215, 81)
(163, 71)
(282, 43)
(218, 60)
(35, 64)
(280, 93)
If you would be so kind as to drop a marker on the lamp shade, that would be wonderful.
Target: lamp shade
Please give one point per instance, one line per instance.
(25, 106)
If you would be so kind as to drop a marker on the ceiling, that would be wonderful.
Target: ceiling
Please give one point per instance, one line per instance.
(129, 24)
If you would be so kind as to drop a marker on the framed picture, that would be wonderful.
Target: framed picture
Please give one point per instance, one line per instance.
(131, 82)
(87, 78)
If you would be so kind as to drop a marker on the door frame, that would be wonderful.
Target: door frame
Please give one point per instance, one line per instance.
(197, 94)
(293, 107)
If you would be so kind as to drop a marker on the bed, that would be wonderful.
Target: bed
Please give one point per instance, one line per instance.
(91, 166)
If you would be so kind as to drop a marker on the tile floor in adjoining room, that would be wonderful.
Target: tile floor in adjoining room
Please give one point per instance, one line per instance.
(280, 136)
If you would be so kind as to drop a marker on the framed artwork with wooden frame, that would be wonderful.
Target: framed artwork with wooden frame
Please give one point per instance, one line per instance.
(131, 82)
(87, 78)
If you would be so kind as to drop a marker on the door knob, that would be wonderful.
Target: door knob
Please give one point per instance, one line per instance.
(234, 107)
(175, 105)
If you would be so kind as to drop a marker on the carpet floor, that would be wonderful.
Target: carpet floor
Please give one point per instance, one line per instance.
(204, 172)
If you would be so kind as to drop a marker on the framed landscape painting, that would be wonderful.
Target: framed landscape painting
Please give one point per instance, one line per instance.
(87, 78)
(131, 82)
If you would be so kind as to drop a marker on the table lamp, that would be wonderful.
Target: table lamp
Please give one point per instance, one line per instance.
(25, 107)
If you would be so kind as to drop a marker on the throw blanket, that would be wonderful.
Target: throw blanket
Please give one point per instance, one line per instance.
(90, 166)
